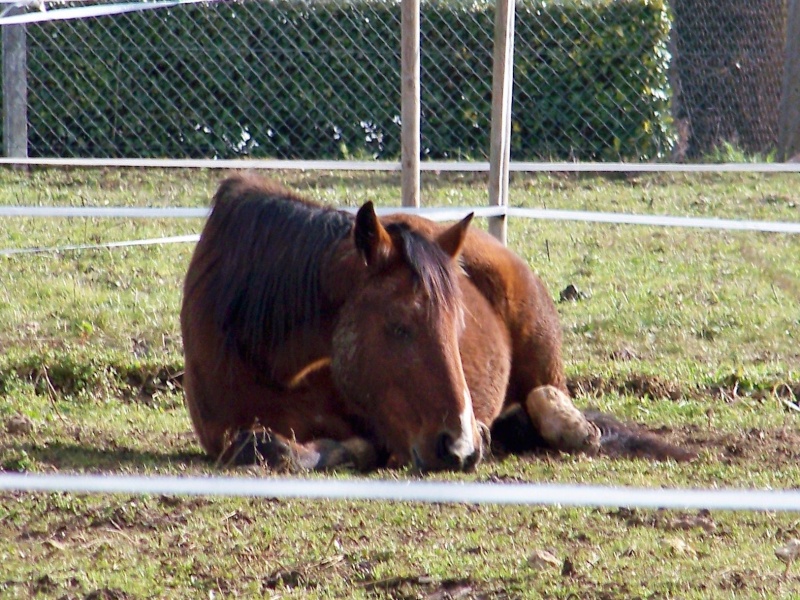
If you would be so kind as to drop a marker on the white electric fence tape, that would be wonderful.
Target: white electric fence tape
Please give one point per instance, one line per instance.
(436, 214)
(655, 220)
(176, 239)
(409, 491)
(84, 12)
(104, 211)
(378, 165)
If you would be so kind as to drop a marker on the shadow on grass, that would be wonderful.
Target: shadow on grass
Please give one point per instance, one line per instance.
(69, 456)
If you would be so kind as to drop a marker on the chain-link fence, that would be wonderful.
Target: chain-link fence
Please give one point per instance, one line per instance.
(593, 80)
(728, 69)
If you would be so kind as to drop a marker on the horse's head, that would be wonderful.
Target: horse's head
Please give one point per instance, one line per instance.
(396, 345)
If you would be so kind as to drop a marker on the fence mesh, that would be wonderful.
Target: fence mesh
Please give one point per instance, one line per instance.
(728, 69)
(320, 79)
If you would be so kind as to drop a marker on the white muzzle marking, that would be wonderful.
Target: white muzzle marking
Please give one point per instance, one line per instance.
(464, 445)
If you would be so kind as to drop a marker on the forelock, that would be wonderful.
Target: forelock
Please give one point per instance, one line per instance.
(432, 268)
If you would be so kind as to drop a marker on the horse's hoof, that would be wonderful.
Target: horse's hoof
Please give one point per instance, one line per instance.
(354, 453)
(397, 461)
(262, 448)
(364, 455)
(561, 425)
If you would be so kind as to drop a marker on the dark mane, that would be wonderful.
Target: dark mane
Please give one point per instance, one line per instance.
(431, 267)
(264, 280)
(262, 271)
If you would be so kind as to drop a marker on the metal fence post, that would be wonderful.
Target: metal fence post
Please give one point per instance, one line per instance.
(15, 89)
(502, 79)
(410, 102)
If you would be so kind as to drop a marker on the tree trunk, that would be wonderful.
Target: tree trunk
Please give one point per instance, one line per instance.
(729, 63)
(789, 119)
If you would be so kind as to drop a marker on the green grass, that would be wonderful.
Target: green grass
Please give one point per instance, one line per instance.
(688, 329)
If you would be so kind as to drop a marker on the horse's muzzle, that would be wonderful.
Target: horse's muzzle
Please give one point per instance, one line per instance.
(449, 455)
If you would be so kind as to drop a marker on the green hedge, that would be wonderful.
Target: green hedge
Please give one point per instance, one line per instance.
(321, 80)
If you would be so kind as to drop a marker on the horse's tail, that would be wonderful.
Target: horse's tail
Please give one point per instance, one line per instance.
(619, 439)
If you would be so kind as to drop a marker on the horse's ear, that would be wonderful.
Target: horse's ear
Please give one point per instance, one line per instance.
(452, 239)
(371, 238)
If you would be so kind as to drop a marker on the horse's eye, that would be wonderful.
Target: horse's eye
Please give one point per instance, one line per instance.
(399, 331)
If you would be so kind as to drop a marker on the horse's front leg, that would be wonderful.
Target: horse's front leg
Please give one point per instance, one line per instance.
(559, 422)
(261, 447)
(547, 418)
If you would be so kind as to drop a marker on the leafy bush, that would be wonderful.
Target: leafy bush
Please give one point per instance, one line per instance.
(320, 79)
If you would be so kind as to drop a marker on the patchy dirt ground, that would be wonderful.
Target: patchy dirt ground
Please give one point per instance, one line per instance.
(767, 448)
(76, 547)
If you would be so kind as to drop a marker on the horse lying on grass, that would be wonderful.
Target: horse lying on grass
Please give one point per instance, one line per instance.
(315, 339)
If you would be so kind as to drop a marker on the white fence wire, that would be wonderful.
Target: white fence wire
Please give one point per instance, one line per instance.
(431, 166)
(435, 214)
(83, 12)
(411, 491)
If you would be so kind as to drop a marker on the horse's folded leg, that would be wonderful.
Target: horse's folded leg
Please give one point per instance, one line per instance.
(513, 432)
(353, 453)
(559, 422)
(550, 420)
(258, 447)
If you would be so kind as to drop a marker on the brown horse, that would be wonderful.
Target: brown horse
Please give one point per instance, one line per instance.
(316, 339)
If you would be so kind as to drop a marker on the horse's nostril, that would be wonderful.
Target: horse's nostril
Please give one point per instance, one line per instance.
(471, 461)
(444, 442)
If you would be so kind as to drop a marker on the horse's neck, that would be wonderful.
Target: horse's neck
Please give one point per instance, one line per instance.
(308, 349)
(344, 272)
(284, 363)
